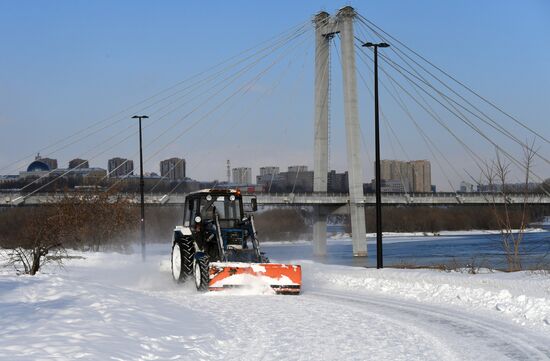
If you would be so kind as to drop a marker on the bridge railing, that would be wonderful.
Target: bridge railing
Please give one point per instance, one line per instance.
(15, 198)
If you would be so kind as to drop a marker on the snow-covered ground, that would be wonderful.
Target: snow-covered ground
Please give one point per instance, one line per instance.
(108, 306)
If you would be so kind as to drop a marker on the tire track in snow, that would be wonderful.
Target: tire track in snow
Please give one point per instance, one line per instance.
(306, 328)
(470, 335)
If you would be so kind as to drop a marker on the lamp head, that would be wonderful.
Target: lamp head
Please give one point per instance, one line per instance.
(379, 45)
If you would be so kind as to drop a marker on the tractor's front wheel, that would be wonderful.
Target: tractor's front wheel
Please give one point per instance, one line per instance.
(177, 269)
(201, 273)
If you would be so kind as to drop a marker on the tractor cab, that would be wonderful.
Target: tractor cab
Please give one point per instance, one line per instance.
(217, 220)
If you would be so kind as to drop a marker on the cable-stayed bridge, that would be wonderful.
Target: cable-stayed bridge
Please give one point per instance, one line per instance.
(204, 110)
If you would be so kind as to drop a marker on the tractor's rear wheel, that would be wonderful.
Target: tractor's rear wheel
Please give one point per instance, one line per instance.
(201, 273)
(182, 260)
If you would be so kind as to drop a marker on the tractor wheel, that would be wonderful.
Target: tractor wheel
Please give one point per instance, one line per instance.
(177, 257)
(201, 273)
(182, 260)
(187, 252)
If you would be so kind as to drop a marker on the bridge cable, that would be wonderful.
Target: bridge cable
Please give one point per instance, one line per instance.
(126, 129)
(231, 126)
(466, 121)
(245, 87)
(325, 102)
(389, 132)
(397, 98)
(492, 123)
(127, 109)
(474, 155)
(452, 102)
(131, 135)
(395, 95)
(457, 114)
(370, 24)
(105, 151)
(227, 84)
(361, 130)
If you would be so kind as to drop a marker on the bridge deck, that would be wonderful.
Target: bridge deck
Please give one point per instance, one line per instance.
(305, 199)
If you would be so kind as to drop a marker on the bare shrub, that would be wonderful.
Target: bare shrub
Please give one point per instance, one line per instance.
(36, 241)
(34, 236)
(497, 173)
(99, 220)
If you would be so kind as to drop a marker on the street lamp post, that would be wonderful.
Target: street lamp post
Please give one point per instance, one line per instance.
(379, 256)
(141, 184)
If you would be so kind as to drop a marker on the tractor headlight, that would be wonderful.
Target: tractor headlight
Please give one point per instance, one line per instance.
(198, 219)
(232, 198)
(209, 198)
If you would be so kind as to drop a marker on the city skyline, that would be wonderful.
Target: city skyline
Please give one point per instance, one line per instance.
(396, 175)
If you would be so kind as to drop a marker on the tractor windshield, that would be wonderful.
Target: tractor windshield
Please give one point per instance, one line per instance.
(228, 208)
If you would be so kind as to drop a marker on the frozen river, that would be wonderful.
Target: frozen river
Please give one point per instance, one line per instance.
(483, 250)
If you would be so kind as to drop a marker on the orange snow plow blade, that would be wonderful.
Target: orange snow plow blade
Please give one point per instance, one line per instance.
(282, 278)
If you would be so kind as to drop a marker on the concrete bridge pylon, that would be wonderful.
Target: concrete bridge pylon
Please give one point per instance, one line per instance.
(326, 27)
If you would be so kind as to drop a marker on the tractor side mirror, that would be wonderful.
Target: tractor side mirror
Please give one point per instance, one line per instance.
(254, 203)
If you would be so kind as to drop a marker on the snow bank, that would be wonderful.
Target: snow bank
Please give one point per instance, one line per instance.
(521, 296)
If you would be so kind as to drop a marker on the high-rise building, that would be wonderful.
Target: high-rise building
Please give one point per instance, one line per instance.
(415, 176)
(421, 176)
(120, 167)
(301, 181)
(396, 170)
(337, 182)
(173, 168)
(297, 168)
(78, 163)
(268, 175)
(271, 170)
(242, 175)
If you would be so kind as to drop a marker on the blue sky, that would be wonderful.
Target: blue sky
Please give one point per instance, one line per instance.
(66, 64)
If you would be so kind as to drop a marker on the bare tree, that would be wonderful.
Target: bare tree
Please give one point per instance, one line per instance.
(512, 234)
